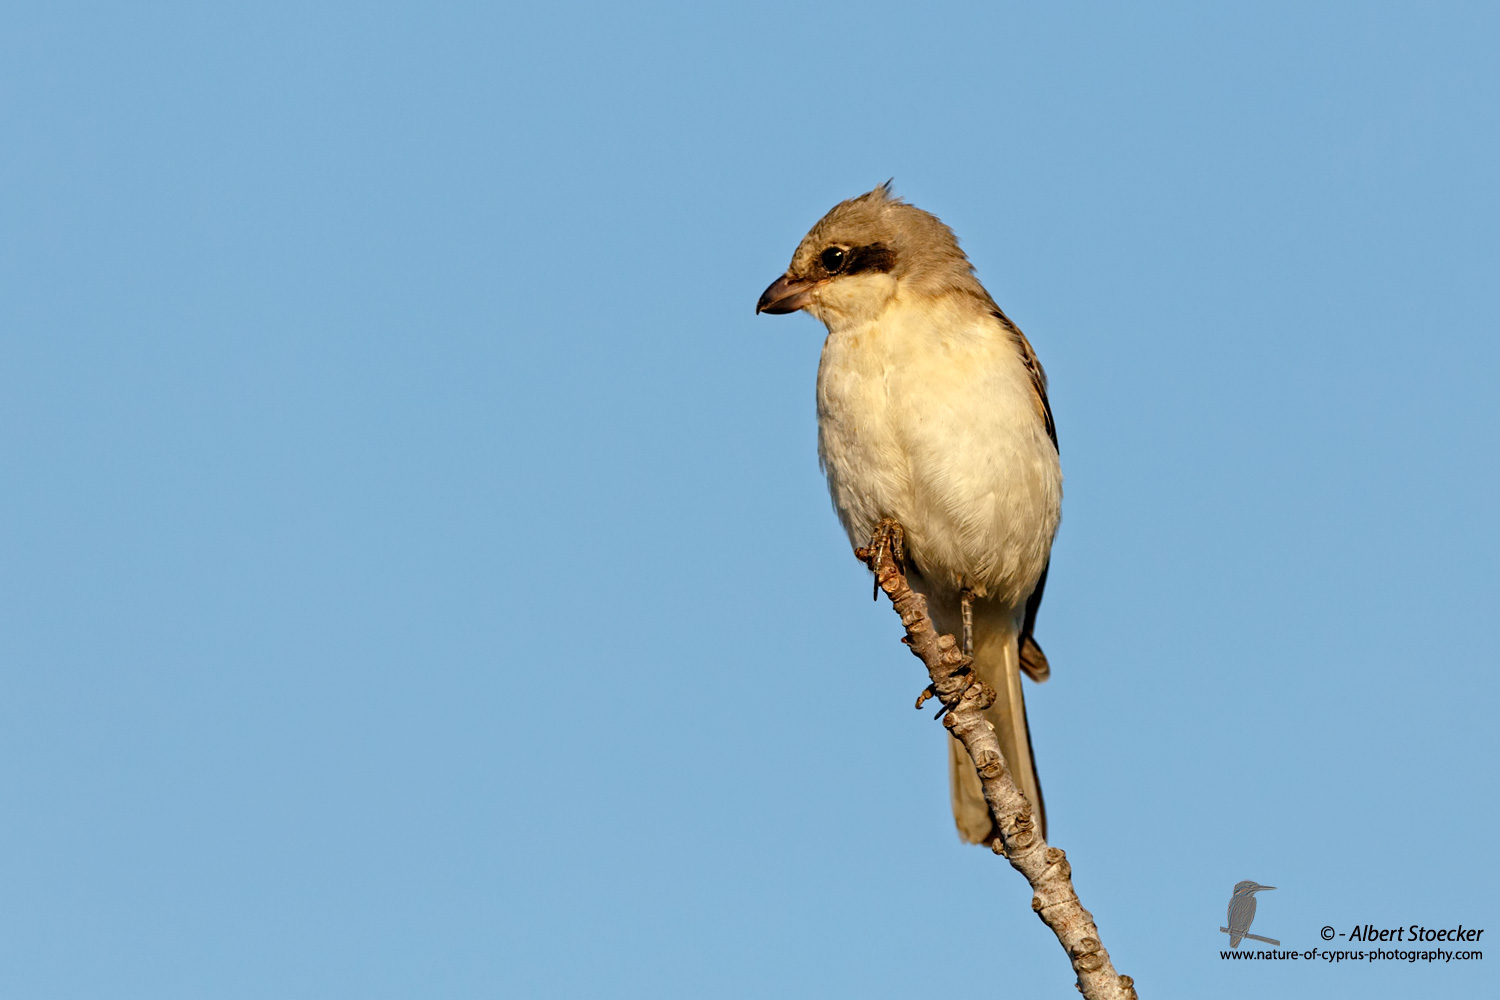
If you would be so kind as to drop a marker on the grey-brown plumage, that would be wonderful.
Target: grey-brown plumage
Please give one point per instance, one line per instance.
(1242, 910)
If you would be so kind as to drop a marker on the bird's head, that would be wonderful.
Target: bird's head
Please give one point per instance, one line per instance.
(865, 252)
(1247, 888)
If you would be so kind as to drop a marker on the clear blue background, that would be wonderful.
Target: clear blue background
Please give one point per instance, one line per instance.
(417, 577)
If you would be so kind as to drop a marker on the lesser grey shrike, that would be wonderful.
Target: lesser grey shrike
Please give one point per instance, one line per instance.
(932, 410)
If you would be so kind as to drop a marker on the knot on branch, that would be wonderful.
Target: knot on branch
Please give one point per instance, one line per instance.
(990, 764)
(1023, 829)
(1086, 956)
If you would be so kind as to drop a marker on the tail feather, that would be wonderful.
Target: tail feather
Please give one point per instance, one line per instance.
(1034, 662)
(999, 660)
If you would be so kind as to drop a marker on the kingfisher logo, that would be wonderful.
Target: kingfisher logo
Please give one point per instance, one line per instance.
(1242, 914)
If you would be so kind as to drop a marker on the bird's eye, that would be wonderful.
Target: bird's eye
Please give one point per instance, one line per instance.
(833, 259)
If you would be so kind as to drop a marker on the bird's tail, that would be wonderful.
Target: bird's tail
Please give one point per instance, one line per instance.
(998, 661)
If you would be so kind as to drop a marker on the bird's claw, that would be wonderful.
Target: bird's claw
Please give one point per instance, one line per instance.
(888, 537)
(970, 679)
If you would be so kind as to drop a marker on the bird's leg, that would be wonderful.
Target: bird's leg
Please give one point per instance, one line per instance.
(966, 669)
(966, 608)
(888, 536)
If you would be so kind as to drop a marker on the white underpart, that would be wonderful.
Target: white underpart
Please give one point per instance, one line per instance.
(926, 414)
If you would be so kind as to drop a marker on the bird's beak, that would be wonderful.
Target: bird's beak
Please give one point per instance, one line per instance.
(1261, 888)
(786, 294)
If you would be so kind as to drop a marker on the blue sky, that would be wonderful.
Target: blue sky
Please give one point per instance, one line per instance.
(417, 577)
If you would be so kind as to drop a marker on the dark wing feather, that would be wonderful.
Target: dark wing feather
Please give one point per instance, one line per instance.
(1033, 660)
(1038, 376)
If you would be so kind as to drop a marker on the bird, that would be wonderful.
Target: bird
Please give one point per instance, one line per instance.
(1242, 910)
(932, 411)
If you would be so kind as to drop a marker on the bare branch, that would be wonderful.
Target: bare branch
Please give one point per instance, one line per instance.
(964, 697)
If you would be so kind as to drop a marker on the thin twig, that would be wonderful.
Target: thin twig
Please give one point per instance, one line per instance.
(964, 698)
(1252, 937)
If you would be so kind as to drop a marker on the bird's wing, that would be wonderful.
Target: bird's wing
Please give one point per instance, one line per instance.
(1241, 913)
(1034, 369)
(1033, 660)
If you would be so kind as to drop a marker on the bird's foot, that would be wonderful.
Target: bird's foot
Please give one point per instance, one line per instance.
(927, 692)
(969, 678)
(888, 537)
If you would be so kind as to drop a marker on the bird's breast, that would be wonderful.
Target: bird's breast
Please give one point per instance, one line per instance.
(927, 415)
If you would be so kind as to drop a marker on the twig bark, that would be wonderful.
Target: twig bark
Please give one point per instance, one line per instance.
(964, 697)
